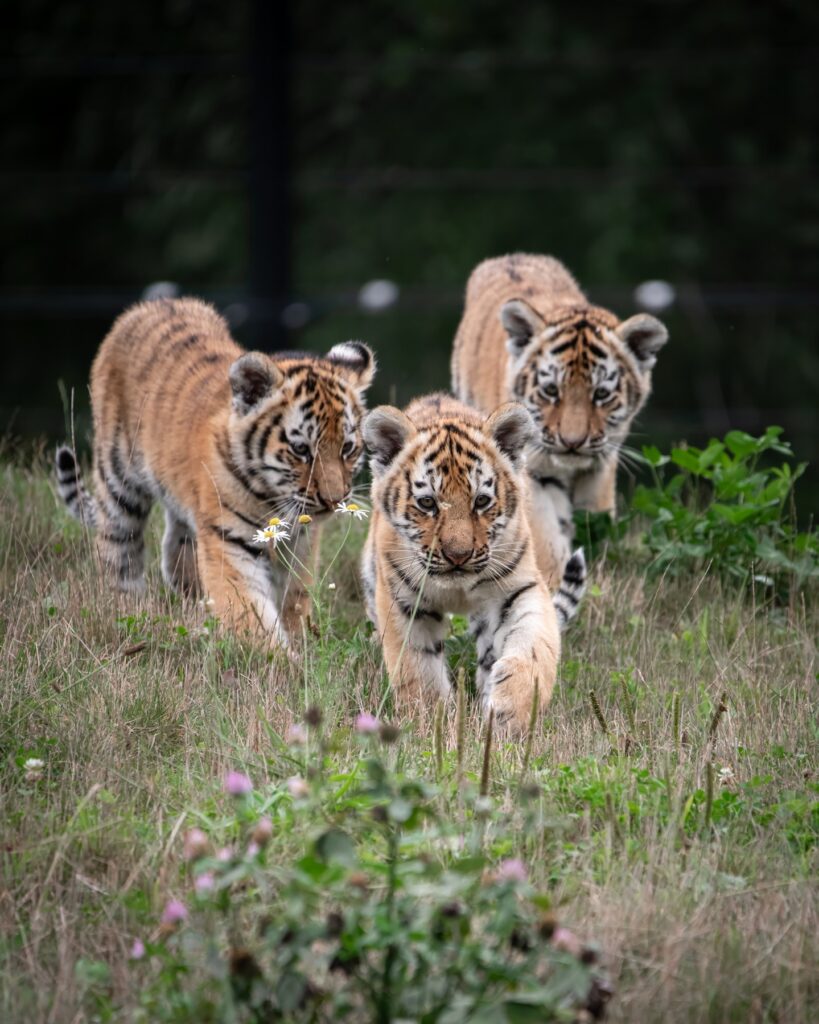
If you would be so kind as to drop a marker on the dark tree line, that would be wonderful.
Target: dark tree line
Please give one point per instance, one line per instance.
(662, 140)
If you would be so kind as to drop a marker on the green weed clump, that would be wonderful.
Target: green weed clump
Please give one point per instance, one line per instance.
(392, 910)
(722, 508)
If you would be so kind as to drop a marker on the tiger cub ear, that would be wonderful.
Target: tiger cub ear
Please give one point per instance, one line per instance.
(356, 359)
(521, 324)
(386, 431)
(253, 378)
(644, 335)
(511, 427)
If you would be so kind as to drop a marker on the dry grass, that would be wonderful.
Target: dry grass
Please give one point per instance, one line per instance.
(705, 905)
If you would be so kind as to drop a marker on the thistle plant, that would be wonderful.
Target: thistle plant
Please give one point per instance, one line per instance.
(393, 911)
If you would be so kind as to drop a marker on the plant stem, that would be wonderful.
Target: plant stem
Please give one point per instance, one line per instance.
(384, 1011)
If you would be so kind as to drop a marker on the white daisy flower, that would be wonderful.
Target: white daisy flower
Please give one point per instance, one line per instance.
(350, 508)
(276, 531)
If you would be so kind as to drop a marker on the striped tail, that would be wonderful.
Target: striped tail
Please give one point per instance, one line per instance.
(80, 503)
(572, 588)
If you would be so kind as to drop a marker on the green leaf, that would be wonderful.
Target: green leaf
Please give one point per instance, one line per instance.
(336, 847)
(653, 455)
(741, 444)
(686, 458)
(314, 868)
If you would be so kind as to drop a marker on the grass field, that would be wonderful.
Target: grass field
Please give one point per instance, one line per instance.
(681, 839)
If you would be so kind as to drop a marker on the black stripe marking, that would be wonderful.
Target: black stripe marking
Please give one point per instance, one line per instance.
(137, 495)
(239, 515)
(240, 542)
(549, 481)
(121, 538)
(264, 437)
(66, 463)
(563, 346)
(130, 509)
(418, 613)
(487, 659)
(248, 438)
(223, 449)
(506, 607)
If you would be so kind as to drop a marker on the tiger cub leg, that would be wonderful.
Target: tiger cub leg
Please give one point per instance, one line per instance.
(238, 582)
(413, 636)
(597, 491)
(552, 525)
(123, 506)
(179, 556)
(518, 644)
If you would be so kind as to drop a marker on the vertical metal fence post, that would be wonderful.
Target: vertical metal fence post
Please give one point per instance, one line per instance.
(269, 208)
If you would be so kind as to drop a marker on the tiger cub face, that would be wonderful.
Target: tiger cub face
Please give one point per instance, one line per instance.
(583, 377)
(447, 486)
(295, 425)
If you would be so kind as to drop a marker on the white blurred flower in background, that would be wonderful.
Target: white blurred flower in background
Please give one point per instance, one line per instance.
(377, 295)
(655, 295)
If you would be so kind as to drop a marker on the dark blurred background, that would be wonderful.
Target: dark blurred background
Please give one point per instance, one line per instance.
(279, 158)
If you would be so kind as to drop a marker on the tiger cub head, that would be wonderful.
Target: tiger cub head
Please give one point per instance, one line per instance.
(295, 425)
(446, 482)
(583, 377)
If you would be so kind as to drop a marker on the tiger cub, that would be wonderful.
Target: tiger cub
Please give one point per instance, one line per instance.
(529, 334)
(449, 533)
(224, 439)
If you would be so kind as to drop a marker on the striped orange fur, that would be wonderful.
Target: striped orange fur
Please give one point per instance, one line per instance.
(223, 439)
(529, 334)
(449, 533)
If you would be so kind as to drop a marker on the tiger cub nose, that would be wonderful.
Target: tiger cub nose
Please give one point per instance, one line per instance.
(456, 556)
(572, 443)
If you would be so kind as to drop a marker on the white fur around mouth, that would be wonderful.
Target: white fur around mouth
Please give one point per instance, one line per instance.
(571, 460)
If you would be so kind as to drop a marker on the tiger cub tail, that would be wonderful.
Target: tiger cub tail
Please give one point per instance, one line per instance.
(572, 588)
(80, 503)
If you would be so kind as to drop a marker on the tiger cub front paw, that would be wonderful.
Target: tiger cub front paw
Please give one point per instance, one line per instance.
(510, 693)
